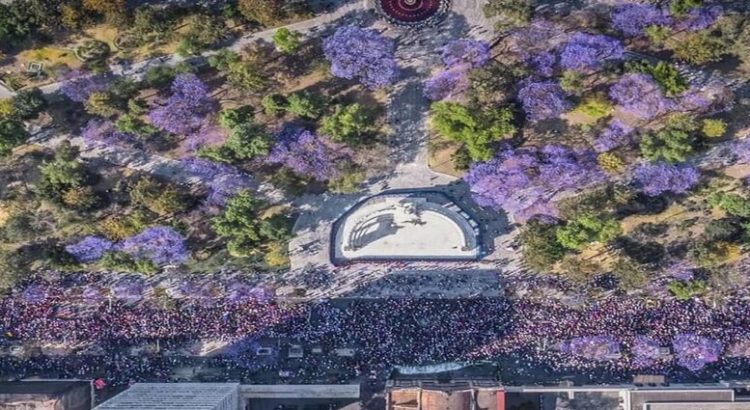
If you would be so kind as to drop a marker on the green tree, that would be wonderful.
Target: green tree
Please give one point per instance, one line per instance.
(682, 7)
(658, 34)
(240, 224)
(587, 228)
(134, 125)
(265, 12)
(158, 197)
(232, 117)
(246, 75)
(665, 74)
(478, 130)
(516, 12)
(29, 103)
(540, 248)
(274, 104)
(15, 25)
(701, 48)
(596, 106)
(204, 32)
(713, 128)
(113, 10)
(12, 134)
(63, 173)
(247, 141)
(687, 290)
(725, 229)
(347, 123)
(305, 105)
(670, 145)
(732, 204)
(102, 104)
(572, 81)
(287, 41)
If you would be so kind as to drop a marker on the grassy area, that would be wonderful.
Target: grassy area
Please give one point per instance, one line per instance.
(50, 56)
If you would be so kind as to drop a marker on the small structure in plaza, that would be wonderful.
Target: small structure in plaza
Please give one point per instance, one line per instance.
(406, 226)
(412, 13)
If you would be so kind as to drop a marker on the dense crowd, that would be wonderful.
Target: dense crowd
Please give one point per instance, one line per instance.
(615, 336)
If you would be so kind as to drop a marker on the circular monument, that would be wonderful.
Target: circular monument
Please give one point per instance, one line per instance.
(406, 226)
(412, 13)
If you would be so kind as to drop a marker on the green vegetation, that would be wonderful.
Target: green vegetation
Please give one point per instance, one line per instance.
(477, 130)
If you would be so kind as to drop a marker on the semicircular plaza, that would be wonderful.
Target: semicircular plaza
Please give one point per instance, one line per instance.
(406, 226)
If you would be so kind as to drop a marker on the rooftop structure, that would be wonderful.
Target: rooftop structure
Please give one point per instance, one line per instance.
(427, 395)
(174, 396)
(46, 395)
(406, 226)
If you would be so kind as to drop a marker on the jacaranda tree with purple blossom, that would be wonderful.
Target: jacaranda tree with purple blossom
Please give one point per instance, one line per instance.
(645, 351)
(90, 249)
(615, 135)
(543, 100)
(694, 352)
(640, 95)
(185, 110)
(656, 179)
(523, 182)
(80, 86)
(308, 154)
(447, 84)
(634, 18)
(102, 133)
(161, 245)
(363, 54)
(589, 51)
(465, 53)
(699, 18)
(600, 347)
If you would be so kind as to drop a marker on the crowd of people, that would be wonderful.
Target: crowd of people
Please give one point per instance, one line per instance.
(382, 332)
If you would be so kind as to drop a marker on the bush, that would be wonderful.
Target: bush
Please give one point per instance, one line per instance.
(732, 204)
(611, 163)
(687, 290)
(701, 48)
(669, 79)
(158, 197)
(117, 228)
(586, 229)
(274, 104)
(541, 250)
(572, 82)
(596, 106)
(305, 105)
(348, 183)
(287, 41)
(713, 128)
(12, 134)
(347, 124)
(671, 145)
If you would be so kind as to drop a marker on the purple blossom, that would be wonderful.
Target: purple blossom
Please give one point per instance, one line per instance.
(593, 347)
(588, 51)
(465, 53)
(226, 186)
(645, 351)
(185, 110)
(615, 135)
(89, 249)
(741, 150)
(92, 295)
(203, 169)
(543, 100)
(543, 63)
(699, 18)
(523, 181)
(80, 86)
(364, 54)
(538, 37)
(35, 293)
(656, 179)
(308, 154)
(446, 84)
(207, 135)
(129, 290)
(640, 95)
(102, 133)
(633, 18)
(160, 244)
(694, 352)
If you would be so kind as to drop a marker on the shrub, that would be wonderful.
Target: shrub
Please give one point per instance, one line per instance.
(611, 163)
(670, 145)
(596, 106)
(713, 128)
(687, 290)
(160, 198)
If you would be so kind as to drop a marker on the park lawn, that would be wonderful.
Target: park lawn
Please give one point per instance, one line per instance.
(50, 56)
(440, 160)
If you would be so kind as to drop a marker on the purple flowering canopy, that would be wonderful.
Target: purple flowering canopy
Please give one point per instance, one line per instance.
(640, 95)
(129, 290)
(615, 135)
(35, 293)
(185, 110)
(308, 154)
(543, 100)
(523, 181)
(80, 86)
(102, 133)
(599, 347)
(465, 53)
(363, 54)
(446, 85)
(89, 249)
(699, 18)
(633, 18)
(645, 351)
(160, 244)
(656, 179)
(223, 181)
(694, 352)
(542, 63)
(589, 51)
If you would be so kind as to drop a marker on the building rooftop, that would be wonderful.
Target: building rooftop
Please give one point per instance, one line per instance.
(171, 396)
(639, 398)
